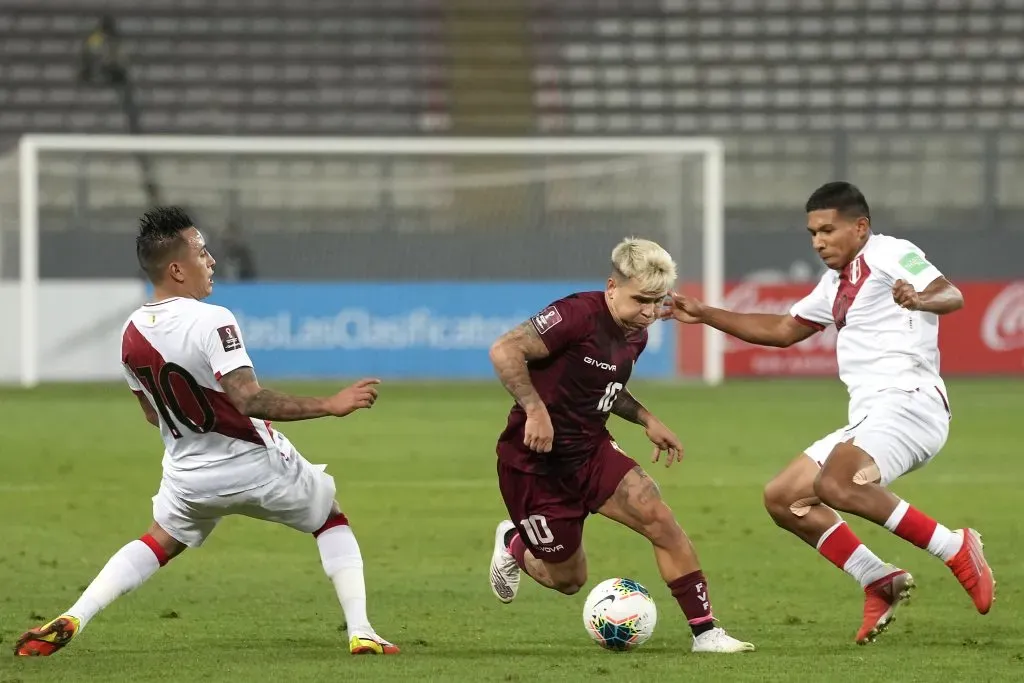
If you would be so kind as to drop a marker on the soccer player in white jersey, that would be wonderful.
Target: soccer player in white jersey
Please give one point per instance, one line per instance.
(885, 299)
(187, 364)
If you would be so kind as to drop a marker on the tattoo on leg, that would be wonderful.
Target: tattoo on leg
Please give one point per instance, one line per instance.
(636, 494)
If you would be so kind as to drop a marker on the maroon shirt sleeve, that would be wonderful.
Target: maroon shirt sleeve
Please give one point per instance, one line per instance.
(562, 323)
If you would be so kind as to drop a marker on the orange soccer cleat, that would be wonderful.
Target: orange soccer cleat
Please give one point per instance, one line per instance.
(972, 571)
(880, 601)
(48, 638)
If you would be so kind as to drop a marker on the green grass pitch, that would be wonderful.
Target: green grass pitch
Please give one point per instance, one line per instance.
(416, 477)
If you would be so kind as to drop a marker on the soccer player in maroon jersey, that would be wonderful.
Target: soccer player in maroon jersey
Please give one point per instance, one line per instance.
(567, 369)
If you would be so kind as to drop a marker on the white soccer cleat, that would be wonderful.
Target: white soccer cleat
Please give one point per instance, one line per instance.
(504, 570)
(717, 640)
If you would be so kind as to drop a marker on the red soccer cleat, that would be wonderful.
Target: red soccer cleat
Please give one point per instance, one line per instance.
(880, 601)
(48, 638)
(972, 571)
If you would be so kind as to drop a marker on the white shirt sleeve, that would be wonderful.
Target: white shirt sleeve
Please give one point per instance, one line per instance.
(222, 342)
(129, 376)
(904, 261)
(815, 309)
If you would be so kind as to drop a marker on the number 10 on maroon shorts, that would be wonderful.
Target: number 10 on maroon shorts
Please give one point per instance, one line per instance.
(549, 510)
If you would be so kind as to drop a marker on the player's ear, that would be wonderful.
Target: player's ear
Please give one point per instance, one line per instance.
(175, 271)
(611, 286)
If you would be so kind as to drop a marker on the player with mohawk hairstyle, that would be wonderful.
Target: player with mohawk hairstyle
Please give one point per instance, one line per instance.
(186, 362)
(567, 369)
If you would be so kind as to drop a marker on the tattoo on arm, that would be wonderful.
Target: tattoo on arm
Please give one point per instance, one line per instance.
(252, 400)
(509, 355)
(628, 408)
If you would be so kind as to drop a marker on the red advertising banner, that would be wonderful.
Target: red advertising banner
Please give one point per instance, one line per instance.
(985, 337)
(815, 356)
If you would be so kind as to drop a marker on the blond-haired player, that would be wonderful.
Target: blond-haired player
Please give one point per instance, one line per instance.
(187, 364)
(567, 369)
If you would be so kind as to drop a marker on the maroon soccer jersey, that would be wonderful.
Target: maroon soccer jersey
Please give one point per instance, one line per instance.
(590, 361)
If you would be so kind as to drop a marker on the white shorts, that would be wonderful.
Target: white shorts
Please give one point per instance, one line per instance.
(902, 431)
(300, 498)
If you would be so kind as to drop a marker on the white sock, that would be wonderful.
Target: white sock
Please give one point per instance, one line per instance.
(343, 564)
(943, 544)
(125, 571)
(862, 564)
(866, 567)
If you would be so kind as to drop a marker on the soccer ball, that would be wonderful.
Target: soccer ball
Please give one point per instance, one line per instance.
(619, 614)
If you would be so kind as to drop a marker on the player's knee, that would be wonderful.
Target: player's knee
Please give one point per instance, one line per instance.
(776, 501)
(568, 587)
(832, 490)
(569, 581)
(571, 584)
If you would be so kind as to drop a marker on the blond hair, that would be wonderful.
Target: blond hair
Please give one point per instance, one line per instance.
(646, 262)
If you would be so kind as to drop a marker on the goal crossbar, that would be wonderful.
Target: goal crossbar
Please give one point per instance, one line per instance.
(710, 149)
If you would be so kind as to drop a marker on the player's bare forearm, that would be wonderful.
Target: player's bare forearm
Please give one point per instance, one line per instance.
(941, 297)
(628, 408)
(510, 366)
(763, 329)
(252, 400)
(267, 404)
(510, 354)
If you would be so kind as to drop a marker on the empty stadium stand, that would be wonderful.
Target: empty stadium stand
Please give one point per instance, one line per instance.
(921, 102)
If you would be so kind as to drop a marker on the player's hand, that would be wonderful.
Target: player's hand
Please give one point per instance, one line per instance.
(539, 433)
(683, 308)
(664, 440)
(905, 296)
(362, 394)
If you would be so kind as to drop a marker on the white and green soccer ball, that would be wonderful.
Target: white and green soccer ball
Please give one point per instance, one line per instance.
(619, 614)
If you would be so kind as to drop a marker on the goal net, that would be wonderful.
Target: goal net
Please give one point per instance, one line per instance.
(402, 257)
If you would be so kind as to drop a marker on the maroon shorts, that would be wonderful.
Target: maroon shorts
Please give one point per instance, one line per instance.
(549, 510)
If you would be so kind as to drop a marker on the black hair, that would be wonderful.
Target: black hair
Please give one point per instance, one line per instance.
(159, 237)
(842, 196)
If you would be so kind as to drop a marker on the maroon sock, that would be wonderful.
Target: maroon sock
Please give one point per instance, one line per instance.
(518, 550)
(691, 592)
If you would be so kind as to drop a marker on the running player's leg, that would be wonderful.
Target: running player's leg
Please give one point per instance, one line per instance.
(174, 528)
(303, 499)
(903, 432)
(559, 564)
(619, 489)
(792, 504)
(545, 541)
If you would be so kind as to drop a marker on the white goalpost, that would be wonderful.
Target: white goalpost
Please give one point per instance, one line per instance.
(674, 184)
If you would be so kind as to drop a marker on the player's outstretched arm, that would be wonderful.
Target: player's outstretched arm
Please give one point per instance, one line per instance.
(764, 329)
(252, 400)
(940, 296)
(628, 408)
